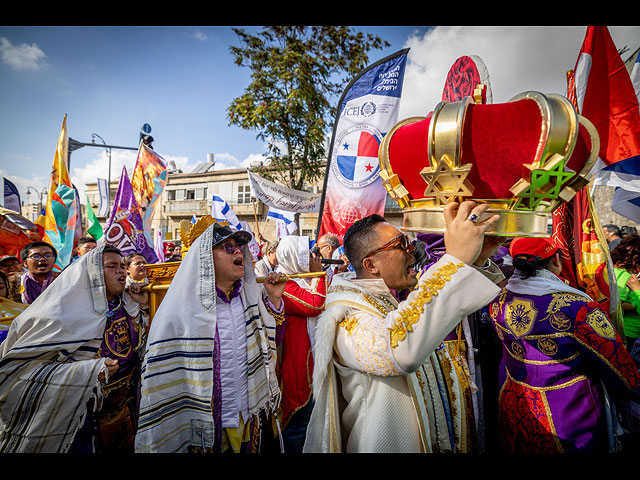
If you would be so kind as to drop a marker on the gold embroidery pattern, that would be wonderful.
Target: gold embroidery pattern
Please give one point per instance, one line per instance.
(122, 338)
(302, 302)
(548, 346)
(520, 316)
(518, 350)
(370, 346)
(349, 324)
(601, 324)
(382, 305)
(560, 321)
(561, 300)
(429, 288)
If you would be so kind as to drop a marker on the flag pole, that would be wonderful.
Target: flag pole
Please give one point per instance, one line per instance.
(255, 215)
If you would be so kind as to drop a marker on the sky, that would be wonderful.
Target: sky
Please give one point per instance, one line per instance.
(110, 81)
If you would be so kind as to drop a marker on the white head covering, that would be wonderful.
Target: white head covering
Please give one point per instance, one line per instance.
(48, 367)
(293, 257)
(178, 369)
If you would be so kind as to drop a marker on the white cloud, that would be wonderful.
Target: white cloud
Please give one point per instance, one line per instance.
(22, 57)
(517, 59)
(99, 168)
(198, 35)
(34, 184)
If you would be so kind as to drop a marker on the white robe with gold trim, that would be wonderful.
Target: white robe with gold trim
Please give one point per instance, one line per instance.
(374, 382)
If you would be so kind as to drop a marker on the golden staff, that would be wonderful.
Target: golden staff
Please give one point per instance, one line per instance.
(284, 278)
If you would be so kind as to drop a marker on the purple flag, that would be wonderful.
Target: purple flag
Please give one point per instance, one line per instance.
(124, 229)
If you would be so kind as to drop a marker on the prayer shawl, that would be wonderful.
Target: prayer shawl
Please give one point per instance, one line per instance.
(48, 363)
(178, 372)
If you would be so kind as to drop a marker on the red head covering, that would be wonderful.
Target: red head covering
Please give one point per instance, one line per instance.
(540, 247)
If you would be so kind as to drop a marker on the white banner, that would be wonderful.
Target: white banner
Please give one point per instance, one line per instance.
(283, 198)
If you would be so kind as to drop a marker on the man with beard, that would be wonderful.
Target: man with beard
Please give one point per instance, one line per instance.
(69, 366)
(374, 385)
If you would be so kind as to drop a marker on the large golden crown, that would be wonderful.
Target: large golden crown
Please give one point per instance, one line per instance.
(524, 158)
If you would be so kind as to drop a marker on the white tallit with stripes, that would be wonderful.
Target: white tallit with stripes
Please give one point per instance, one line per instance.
(177, 373)
(48, 365)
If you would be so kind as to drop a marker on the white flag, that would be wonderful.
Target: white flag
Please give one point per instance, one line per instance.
(103, 190)
(221, 211)
(159, 247)
(285, 221)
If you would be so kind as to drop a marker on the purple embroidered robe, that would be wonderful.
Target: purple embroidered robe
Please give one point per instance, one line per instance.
(556, 348)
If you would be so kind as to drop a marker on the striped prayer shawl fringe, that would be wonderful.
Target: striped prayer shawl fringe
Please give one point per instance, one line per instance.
(178, 408)
(44, 400)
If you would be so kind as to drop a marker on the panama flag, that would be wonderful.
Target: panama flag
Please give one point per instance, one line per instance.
(357, 157)
(367, 110)
(605, 95)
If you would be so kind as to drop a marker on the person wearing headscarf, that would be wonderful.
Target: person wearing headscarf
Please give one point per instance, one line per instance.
(303, 301)
(70, 363)
(559, 347)
(209, 381)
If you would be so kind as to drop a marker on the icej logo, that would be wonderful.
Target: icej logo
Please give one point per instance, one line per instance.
(368, 109)
(355, 161)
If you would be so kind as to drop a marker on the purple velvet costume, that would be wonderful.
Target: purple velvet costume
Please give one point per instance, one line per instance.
(556, 348)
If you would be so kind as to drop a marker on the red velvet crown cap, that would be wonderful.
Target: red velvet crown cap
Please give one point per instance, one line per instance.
(497, 139)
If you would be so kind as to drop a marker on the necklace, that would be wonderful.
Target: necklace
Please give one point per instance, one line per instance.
(111, 312)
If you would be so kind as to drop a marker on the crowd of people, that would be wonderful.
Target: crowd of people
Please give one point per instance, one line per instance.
(461, 342)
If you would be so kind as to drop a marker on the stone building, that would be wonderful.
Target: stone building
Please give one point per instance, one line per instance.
(189, 194)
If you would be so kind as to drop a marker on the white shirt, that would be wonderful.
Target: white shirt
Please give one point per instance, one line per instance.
(233, 361)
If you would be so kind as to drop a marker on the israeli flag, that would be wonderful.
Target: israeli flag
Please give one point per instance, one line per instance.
(625, 174)
(103, 191)
(285, 221)
(221, 211)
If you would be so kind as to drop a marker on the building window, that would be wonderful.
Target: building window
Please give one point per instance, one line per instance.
(171, 194)
(191, 195)
(244, 193)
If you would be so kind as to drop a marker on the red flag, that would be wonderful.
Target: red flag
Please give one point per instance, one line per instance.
(605, 96)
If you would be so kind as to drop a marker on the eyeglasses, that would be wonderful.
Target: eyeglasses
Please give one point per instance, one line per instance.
(37, 256)
(401, 242)
(230, 248)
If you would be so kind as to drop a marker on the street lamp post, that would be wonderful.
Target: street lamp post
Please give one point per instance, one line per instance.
(75, 145)
(40, 193)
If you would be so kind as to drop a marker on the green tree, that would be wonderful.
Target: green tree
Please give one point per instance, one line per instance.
(297, 72)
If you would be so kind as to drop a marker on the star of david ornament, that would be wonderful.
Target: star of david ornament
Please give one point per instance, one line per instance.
(446, 181)
(544, 184)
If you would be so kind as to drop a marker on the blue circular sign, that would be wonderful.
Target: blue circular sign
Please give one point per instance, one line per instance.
(146, 128)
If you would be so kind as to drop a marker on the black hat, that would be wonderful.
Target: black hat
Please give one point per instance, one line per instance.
(222, 232)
